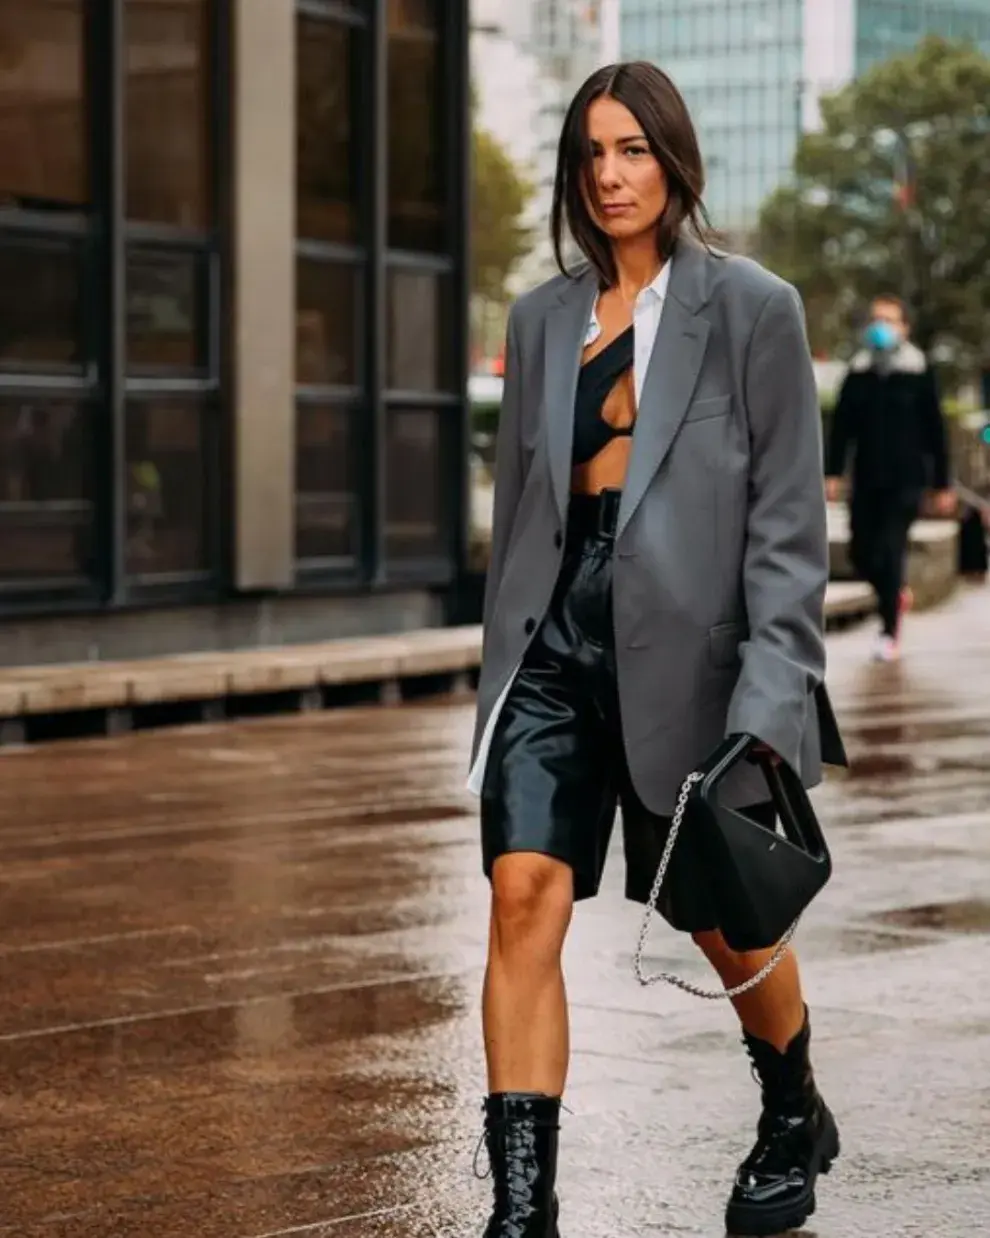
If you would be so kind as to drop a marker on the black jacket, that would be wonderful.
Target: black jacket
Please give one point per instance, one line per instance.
(893, 423)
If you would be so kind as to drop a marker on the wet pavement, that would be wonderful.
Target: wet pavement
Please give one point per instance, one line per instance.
(240, 971)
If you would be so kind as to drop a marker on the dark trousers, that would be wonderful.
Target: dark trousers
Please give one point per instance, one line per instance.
(880, 521)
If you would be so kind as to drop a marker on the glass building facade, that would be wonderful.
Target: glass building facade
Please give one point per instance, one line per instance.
(738, 63)
(887, 28)
(750, 71)
(136, 256)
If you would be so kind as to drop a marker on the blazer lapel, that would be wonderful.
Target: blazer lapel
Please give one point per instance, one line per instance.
(566, 326)
(671, 375)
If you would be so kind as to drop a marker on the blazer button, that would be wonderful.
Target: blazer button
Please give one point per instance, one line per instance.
(558, 540)
(530, 626)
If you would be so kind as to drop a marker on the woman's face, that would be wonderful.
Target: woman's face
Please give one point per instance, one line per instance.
(632, 187)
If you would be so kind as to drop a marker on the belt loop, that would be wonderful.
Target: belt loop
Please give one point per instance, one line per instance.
(608, 512)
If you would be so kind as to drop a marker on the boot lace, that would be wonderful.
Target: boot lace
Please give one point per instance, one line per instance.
(497, 1129)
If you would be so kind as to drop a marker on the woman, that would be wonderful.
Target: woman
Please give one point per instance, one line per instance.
(657, 577)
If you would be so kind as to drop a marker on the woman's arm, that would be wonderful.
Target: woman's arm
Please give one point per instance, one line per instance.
(508, 468)
(785, 567)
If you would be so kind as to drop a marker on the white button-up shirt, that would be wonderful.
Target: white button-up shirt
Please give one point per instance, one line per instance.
(647, 311)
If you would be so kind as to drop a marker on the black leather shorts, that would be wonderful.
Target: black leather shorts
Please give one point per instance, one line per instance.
(556, 770)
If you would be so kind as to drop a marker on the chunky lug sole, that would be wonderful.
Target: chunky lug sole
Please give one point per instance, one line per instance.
(756, 1221)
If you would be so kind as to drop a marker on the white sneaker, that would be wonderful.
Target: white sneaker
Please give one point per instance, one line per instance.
(887, 649)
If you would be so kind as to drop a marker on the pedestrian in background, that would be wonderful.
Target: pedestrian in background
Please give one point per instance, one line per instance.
(889, 417)
(657, 578)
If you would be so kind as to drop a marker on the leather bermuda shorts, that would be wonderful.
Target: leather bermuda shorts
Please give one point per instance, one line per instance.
(556, 770)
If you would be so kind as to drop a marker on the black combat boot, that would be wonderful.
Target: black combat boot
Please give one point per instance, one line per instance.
(521, 1131)
(797, 1139)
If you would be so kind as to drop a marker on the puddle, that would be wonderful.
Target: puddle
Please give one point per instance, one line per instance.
(910, 764)
(880, 764)
(970, 915)
(891, 853)
(879, 941)
(922, 731)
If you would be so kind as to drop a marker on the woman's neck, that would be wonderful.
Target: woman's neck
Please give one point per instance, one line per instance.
(637, 265)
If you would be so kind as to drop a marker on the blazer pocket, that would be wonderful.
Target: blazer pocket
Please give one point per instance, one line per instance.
(707, 409)
(723, 644)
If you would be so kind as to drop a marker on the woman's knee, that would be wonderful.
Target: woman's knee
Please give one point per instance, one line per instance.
(532, 898)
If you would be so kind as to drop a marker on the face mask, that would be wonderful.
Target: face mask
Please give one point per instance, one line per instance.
(881, 337)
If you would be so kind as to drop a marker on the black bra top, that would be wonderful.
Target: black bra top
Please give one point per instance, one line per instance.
(596, 379)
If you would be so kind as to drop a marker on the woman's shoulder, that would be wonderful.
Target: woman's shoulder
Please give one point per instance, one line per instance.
(534, 303)
(743, 279)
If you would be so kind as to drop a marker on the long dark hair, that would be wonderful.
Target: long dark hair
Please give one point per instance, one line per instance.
(660, 109)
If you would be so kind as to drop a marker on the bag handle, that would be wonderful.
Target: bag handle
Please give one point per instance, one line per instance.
(724, 756)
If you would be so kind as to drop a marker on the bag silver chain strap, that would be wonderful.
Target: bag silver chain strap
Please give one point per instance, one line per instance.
(667, 977)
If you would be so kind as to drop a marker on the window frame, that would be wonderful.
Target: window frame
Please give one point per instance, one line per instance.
(104, 385)
(337, 572)
(372, 400)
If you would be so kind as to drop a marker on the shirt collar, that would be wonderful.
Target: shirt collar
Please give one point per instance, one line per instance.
(656, 290)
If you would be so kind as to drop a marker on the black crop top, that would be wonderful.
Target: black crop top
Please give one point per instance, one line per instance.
(596, 379)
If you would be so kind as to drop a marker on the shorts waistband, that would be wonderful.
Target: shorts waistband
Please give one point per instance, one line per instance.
(593, 515)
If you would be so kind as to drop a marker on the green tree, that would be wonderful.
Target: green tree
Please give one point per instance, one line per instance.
(499, 237)
(892, 195)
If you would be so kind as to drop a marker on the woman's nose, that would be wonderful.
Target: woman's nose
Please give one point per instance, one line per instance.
(608, 172)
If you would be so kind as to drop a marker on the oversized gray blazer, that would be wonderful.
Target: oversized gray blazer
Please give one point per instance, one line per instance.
(721, 554)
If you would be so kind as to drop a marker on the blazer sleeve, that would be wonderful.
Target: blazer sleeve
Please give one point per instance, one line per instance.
(508, 469)
(785, 565)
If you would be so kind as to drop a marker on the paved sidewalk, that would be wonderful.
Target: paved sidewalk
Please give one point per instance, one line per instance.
(241, 966)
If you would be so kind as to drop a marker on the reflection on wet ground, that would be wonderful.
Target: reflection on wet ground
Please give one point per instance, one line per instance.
(968, 915)
(241, 968)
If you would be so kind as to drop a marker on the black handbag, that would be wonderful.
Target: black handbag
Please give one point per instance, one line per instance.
(760, 879)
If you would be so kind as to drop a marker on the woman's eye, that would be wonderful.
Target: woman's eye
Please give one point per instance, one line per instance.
(637, 150)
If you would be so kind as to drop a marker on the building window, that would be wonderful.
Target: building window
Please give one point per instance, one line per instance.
(47, 526)
(329, 309)
(172, 291)
(44, 120)
(48, 518)
(108, 406)
(332, 421)
(417, 188)
(379, 401)
(168, 113)
(328, 78)
(422, 423)
(328, 513)
(168, 475)
(417, 521)
(42, 321)
(420, 330)
(168, 310)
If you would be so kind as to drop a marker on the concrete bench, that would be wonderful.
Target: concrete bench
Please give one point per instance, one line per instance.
(933, 556)
(302, 676)
(309, 673)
